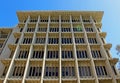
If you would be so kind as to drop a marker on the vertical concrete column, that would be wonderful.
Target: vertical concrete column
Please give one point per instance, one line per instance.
(36, 28)
(30, 52)
(89, 51)
(98, 37)
(74, 51)
(105, 54)
(60, 69)
(16, 51)
(27, 64)
(45, 50)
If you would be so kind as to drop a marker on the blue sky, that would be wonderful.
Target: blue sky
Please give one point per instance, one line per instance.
(111, 18)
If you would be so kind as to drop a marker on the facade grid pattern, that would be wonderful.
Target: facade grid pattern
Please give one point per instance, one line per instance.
(66, 47)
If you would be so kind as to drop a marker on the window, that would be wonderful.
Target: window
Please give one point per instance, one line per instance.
(52, 54)
(54, 20)
(92, 40)
(35, 71)
(33, 20)
(54, 29)
(23, 54)
(43, 20)
(108, 53)
(42, 29)
(24, 21)
(82, 54)
(18, 71)
(96, 54)
(1, 44)
(53, 40)
(3, 36)
(113, 67)
(67, 54)
(51, 72)
(27, 41)
(98, 29)
(79, 40)
(5, 71)
(101, 71)
(89, 29)
(75, 20)
(21, 29)
(86, 20)
(11, 54)
(65, 20)
(94, 20)
(65, 29)
(103, 40)
(16, 40)
(84, 71)
(66, 40)
(30, 29)
(68, 71)
(40, 40)
(38, 54)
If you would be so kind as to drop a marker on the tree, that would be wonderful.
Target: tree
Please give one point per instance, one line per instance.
(79, 28)
(118, 49)
(118, 53)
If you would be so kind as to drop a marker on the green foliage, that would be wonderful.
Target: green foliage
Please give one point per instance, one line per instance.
(79, 28)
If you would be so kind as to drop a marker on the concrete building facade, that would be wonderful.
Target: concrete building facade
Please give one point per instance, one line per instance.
(4, 36)
(58, 47)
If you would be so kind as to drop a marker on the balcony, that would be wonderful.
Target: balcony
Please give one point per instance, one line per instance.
(14, 80)
(50, 81)
(30, 80)
(51, 70)
(106, 80)
(3, 35)
(87, 80)
(104, 77)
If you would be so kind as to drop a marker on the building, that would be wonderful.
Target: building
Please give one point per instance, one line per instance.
(4, 35)
(58, 47)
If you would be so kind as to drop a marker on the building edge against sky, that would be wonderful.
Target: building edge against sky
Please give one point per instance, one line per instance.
(57, 47)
